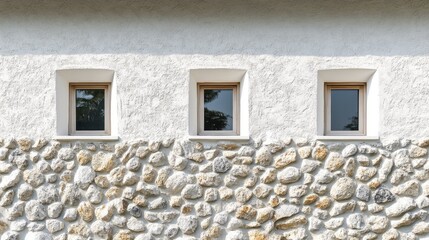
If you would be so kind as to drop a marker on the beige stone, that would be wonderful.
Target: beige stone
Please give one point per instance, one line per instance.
(103, 162)
(304, 152)
(257, 235)
(86, 211)
(264, 214)
(288, 157)
(291, 222)
(245, 212)
(320, 153)
(102, 181)
(79, 228)
(24, 143)
(421, 228)
(365, 174)
(334, 162)
(416, 152)
(310, 199)
(84, 156)
(324, 203)
(104, 212)
(123, 235)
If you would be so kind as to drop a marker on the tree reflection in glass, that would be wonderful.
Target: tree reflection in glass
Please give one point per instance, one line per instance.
(90, 109)
(218, 107)
(345, 109)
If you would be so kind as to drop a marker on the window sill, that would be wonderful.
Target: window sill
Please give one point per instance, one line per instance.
(227, 138)
(86, 138)
(348, 138)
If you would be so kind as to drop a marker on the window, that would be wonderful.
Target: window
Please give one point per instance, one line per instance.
(218, 109)
(218, 104)
(89, 106)
(345, 112)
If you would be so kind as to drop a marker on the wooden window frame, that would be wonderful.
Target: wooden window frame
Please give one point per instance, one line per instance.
(362, 108)
(235, 108)
(72, 109)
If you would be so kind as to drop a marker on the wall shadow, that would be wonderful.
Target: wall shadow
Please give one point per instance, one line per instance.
(252, 27)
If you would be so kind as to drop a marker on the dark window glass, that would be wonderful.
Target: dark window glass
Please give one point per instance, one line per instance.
(344, 109)
(90, 109)
(218, 105)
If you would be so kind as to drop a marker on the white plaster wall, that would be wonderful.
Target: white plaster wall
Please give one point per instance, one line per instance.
(151, 45)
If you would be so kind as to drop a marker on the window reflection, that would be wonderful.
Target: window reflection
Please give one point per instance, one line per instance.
(90, 109)
(218, 109)
(344, 109)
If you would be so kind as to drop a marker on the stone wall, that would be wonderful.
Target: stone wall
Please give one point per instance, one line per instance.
(177, 189)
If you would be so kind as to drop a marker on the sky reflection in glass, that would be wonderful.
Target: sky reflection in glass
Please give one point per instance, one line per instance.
(90, 109)
(344, 109)
(218, 109)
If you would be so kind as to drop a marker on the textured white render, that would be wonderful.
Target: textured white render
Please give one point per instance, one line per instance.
(152, 45)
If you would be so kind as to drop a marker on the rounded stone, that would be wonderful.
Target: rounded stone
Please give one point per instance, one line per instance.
(221, 164)
(48, 194)
(188, 224)
(86, 211)
(349, 150)
(84, 156)
(203, 209)
(10, 180)
(192, 191)
(263, 156)
(288, 157)
(102, 181)
(363, 192)
(10, 235)
(70, 215)
(319, 153)
(35, 211)
(262, 190)
(176, 182)
(25, 191)
(84, 176)
(5, 167)
(71, 194)
(401, 206)
(208, 179)
(103, 162)
(94, 195)
(134, 164)
(38, 236)
(334, 162)
(243, 195)
(355, 221)
(102, 229)
(421, 228)
(383, 195)
(289, 175)
(378, 224)
(54, 225)
(157, 159)
(343, 188)
(392, 234)
(364, 174)
(66, 154)
(236, 235)
(55, 209)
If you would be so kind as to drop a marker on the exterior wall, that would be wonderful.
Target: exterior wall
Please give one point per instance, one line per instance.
(152, 46)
